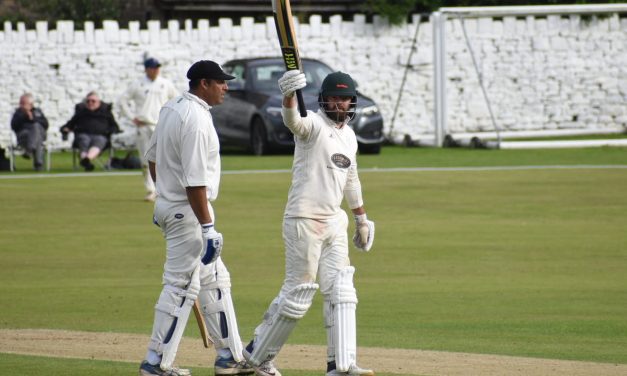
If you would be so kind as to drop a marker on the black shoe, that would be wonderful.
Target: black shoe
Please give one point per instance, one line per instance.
(86, 163)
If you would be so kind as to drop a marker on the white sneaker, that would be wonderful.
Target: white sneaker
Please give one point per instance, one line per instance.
(353, 370)
(266, 368)
(228, 366)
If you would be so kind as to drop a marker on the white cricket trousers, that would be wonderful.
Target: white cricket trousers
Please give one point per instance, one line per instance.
(184, 243)
(142, 141)
(314, 248)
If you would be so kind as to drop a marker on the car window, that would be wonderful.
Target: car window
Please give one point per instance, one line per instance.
(315, 73)
(238, 71)
(264, 77)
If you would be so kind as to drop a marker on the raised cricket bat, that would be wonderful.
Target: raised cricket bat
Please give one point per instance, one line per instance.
(287, 40)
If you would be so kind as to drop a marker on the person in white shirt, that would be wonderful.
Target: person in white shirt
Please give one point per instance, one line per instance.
(184, 161)
(141, 102)
(315, 228)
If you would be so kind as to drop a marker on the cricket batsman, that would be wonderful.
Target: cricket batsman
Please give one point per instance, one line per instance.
(184, 161)
(324, 172)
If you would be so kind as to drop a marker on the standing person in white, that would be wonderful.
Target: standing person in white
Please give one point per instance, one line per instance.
(184, 161)
(315, 228)
(142, 102)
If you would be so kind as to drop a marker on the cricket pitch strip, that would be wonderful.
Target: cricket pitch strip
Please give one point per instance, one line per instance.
(132, 347)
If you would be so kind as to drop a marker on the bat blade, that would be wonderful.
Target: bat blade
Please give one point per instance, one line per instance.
(206, 340)
(287, 39)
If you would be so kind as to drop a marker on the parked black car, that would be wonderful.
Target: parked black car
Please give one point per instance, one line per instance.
(250, 116)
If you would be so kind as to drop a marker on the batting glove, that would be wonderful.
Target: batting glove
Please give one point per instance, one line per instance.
(364, 233)
(291, 81)
(212, 244)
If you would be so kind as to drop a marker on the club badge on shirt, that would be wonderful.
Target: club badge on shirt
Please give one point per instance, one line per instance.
(340, 160)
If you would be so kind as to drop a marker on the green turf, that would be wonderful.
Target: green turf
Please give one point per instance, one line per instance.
(37, 366)
(612, 136)
(398, 156)
(522, 262)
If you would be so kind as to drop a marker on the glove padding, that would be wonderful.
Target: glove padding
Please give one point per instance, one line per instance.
(212, 244)
(364, 233)
(291, 81)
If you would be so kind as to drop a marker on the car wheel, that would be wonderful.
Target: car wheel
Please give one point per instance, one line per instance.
(369, 148)
(258, 138)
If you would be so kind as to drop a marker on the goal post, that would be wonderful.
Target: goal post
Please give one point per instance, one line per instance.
(508, 70)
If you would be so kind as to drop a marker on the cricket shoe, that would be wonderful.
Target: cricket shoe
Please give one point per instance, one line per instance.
(147, 369)
(266, 368)
(353, 370)
(228, 366)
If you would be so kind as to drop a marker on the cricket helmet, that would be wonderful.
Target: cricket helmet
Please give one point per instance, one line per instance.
(338, 84)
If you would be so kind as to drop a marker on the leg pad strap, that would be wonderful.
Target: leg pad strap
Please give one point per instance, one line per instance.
(219, 313)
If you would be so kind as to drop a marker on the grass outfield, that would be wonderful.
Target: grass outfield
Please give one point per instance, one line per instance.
(396, 156)
(516, 262)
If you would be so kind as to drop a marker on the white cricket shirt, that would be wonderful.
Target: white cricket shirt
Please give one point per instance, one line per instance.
(324, 167)
(185, 148)
(143, 99)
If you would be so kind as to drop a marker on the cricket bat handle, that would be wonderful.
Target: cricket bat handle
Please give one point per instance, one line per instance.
(301, 104)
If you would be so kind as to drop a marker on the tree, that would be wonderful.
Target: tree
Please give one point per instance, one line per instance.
(53, 10)
(398, 11)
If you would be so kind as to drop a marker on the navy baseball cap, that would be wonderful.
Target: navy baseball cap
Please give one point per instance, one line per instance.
(151, 63)
(207, 69)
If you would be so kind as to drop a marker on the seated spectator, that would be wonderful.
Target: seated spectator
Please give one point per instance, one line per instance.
(30, 126)
(92, 124)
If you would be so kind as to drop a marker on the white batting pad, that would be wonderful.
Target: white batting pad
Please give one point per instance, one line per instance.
(344, 301)
(215, 300)
(171, 347)
(291, 308)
